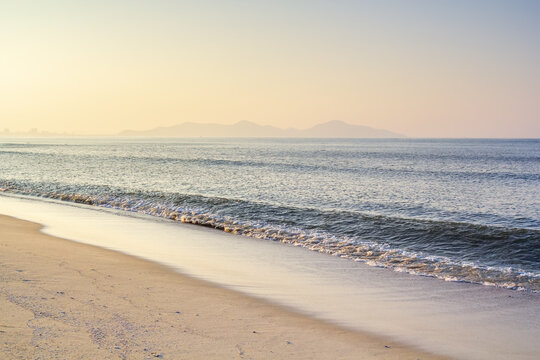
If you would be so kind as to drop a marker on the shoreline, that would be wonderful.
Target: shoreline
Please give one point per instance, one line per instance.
(447, 318)
(64, 298)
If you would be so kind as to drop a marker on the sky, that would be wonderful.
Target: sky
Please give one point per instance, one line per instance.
(432, 68)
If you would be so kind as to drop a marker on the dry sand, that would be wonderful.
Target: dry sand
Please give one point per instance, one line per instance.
(65, 300)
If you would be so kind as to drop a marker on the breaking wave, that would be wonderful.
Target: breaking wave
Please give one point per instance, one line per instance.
(452, 251)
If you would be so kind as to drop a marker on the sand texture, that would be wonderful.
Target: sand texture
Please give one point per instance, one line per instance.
(65, 300)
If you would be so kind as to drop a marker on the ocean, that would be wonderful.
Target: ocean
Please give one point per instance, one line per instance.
(457, 210)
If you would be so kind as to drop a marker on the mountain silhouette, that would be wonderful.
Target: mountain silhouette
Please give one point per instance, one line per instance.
(330, 129)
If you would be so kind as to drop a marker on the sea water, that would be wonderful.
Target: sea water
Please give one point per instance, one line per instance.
(457, 210)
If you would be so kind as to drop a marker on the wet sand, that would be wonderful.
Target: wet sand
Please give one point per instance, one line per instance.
(67, 300)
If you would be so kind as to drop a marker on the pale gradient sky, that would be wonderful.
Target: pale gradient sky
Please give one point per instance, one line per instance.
(422, 68)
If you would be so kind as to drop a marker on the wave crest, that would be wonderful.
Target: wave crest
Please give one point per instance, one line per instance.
(371, 252)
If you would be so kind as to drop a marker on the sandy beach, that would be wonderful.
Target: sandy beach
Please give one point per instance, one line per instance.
(66, 300)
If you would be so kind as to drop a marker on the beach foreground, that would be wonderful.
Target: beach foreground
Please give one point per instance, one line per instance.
(61, 299)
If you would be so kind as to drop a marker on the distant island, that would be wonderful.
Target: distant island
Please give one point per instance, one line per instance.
(330, 129)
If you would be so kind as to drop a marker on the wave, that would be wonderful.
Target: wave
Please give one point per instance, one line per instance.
(488, 255)
(374, 170)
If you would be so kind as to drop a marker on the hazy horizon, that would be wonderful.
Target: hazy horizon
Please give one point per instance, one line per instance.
(423, 69)
(148, 133)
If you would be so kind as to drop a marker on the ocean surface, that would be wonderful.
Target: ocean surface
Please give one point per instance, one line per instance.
(458, 210)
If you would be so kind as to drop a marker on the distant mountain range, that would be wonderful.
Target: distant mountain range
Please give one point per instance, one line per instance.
(331, 129)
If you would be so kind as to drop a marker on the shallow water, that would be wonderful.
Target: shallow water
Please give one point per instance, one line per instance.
(463, 210)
